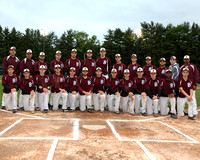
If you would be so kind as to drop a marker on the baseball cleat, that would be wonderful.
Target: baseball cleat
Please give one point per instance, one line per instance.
(50, 107)
(65, 110)
(32, 112)
(90, 111)
(132, 113)
(101, 111)
(156, 115)
(144, 114)
(117, 112)
(22, 108)
(3, 107)
(185, 113)
(174, 116)
(14, 111)
(45, 111)
(191, 118)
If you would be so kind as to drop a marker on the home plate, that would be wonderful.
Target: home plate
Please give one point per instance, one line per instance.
(94, 127)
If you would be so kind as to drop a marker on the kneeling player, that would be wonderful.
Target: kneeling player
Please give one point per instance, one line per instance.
(10, 83)
(85, 87)
(28, 91)
(58, 89)
(127, 97)
(185, 86)
(99, 90)
(42, 81)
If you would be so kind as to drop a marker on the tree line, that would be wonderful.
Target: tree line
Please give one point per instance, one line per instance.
(156, 41)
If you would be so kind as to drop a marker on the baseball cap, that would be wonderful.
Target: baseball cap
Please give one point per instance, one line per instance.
(134, 55)
(186, 69)
(26, 70)
(58, 52)
(85, 69)
(162, 59)
(148, 57)
(186, 57)
(102, 49)
(118, 55)
(139, 69)
(168, 70)
(72, 68)
(12, 48)
(42, 54)
(11, 66)
(42, 67)
(89, 51)
(153, 71)
(57, 66)
(98, 68)
(126, 71)
(29, 51)
(74, 50)
(113, 70)
(173, 57)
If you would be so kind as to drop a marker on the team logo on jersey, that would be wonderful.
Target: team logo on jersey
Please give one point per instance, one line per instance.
(171, 85)
(102, 81)
(150, 68)
(134, 67)
(30, 84)
(77, 64)
(155, 84)
(104, 62)
(189, 85)
(46, 80)
(14, 80)
(89, 82)
(119, 68)
(142, 82)
(61, 79)
(129, 84)
(116, 82)
(92, 64)
(74, 83)
(163, 71)
(62, 65)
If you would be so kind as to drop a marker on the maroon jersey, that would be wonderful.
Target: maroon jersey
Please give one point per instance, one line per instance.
(26, 63)
(27, 84)
(167, 86)
(139, 84)
(152, 86)
(76, 63)
(43, 81)
(128, 86)
(105, 64)
(9, 60)
(120, 69)
(85, 84)
(38, 64)
(57, 82)
(114, 84)
(91, 65)
(133, 70)
(147, 70)
(161, 72)
(99, 84)
(55, 62)
(71, 84)
(193, 73)
(186, 85)
(10, 81)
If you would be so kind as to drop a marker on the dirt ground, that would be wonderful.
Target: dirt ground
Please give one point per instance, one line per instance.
(98, 136)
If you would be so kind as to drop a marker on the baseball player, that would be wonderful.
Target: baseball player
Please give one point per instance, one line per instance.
(10, 82)
(89, 63)
(119, 66)
(174, 67)
(58, 88)
(148, 67)
(104, 63)
(133, 66)
(166, 92)
(57, 61)
(73, 62)
(140, 95)
(42, 81)
(39, 63)
(85, 87)
(185, 86)
(27, 87)
(127, 89)
(99, 90)
(152, 91)
(71, 87)
(162, 69)
(113, 92)
(194, 76)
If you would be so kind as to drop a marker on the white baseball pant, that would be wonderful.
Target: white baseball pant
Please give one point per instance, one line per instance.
(20, 100)
(28, 102)
(56, 99)
(164, 109)
(152, 106)
(181, 106)
(113, 102)
(72, 100)
(36, 99)
(99, 101)
(128, 104)
(10, 100)
(43, 99)
(195, 103)
(85, 100)
(3, 100)
(139, 98)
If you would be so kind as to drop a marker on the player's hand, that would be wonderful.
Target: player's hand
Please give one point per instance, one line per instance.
(171, 95)
(31, 76)
(101, 92)
(45, 90)
(117, 93)
(195, 87)
(64, 91)
(154, 97)
(189, 98)
(143, 94)
(87, 93)
(74, 92)
(40, 87)
(13, 90)
(32, 92)
(130, 93)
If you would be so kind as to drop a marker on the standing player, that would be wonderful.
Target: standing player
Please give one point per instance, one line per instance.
(39, 63)
(162, 69)
(140, 95)
(119, 66)
(99, 90)
(127, 97)
(57, 61)
(185, 86)
(104, 63)
(73, 62)
(27, 87)
(174, 67)
(148, 67)
(133, 67)
(58, 89)
(42, 81)
(71, 87)
(194, 76)
(113, 92)
(152, 92)
(85, 87)
(89, 63)
(10, 83)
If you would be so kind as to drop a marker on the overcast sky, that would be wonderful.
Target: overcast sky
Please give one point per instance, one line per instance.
(95, 16)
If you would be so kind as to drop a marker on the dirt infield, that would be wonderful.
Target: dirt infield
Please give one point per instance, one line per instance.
(78, 135)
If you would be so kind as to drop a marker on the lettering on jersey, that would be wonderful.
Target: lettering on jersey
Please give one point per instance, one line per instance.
(189, 84)
(116, 82)
(104, 62)
(101, 81)
(129, 84)
(142, 82)
(171, 85)
(89, 82)
(163, 71)
(119, 68)
(62, 65)
(46, 80)
(77, 64)
(74, 83)
(61, 79)
(14, 80)
(30, 84)
(134, 67)
(150, 68)
(93, 64)
(155, 84)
